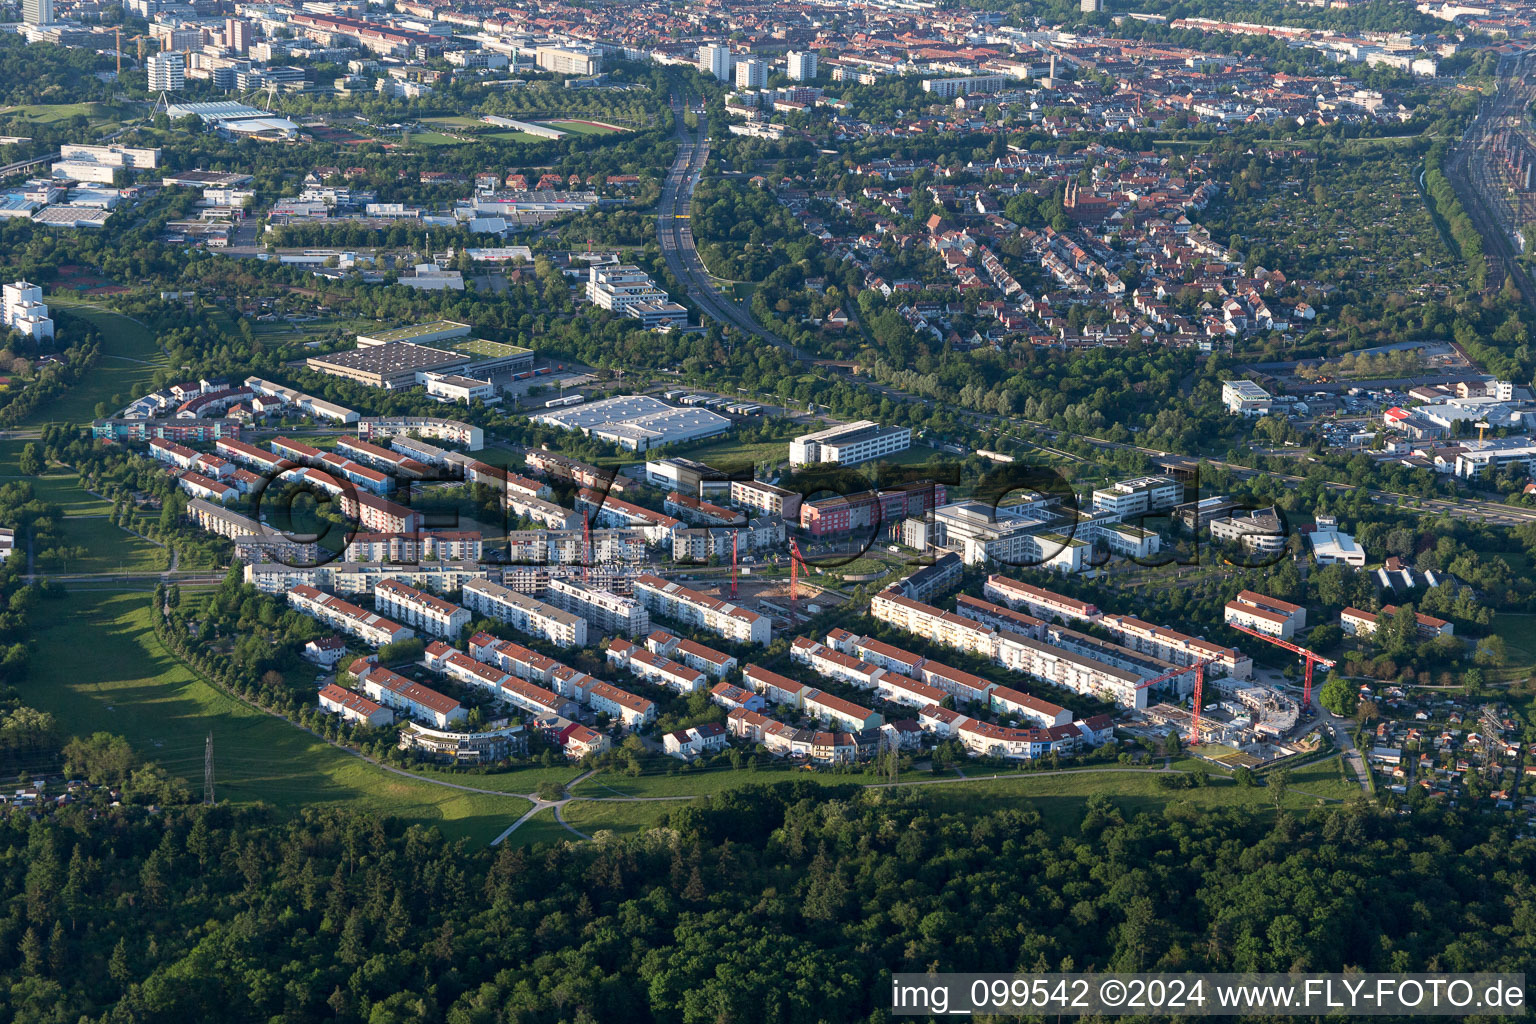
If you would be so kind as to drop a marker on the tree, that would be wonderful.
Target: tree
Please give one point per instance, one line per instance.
(1338, 696)
(32, 463)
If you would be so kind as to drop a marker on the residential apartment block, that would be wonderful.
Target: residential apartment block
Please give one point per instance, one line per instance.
(425, 612)
(606, 612)
(374, 630)
(525, 614)
(676, 602)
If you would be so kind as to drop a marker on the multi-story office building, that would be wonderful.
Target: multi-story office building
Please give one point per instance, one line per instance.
(1138, 496)
(37, 12)
(101, 163)
(564, 60)
(802, 65)
(849, 444)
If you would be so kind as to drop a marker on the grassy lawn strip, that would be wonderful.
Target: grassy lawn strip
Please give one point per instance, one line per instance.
(592, 816)
(129, 356)
(104, 670)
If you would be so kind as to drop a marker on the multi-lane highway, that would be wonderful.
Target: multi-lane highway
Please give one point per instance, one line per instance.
(675, 234)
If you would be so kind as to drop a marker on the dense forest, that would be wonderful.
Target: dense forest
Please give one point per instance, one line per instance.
(790, 903)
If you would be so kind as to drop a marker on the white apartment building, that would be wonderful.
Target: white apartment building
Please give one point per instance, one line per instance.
(715, 60)
(802, 65)
(848, 444)
(101, 163)
(166, 72)
(949, 88)
(1070, 670)
(1179, 648)
(942, 627)
(24, 311)
(374, 630)
(692, 608)
(426, 612)
(765, 498)
(37, 12)
(1138, 496)
(751, 74)
(606, 612)
(1268, 615)
(1046, 604)
(525, 614)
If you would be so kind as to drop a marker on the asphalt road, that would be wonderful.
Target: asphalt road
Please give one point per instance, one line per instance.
(675, 234)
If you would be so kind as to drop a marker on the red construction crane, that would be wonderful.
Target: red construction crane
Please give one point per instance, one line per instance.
(794, 571)
(1199, 695)
(1311, 659)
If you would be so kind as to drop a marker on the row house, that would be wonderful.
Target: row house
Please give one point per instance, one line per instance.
(708, 738)
(514, 658)
(631, 711)
(837, 711)
(654, 668)
(413, 699)
(834, 664)
(354, 707)
(776, 689)
(731, 697)
(713, 663)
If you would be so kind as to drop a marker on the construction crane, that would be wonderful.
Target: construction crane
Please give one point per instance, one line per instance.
(1311, 659)
(1198, 697)
(794, 571)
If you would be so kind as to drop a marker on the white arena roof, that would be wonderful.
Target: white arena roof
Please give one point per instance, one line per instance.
(637, 422)
(217, 110)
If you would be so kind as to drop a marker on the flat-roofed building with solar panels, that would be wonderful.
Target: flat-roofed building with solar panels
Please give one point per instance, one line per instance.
(637, 422)
(396, 364)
